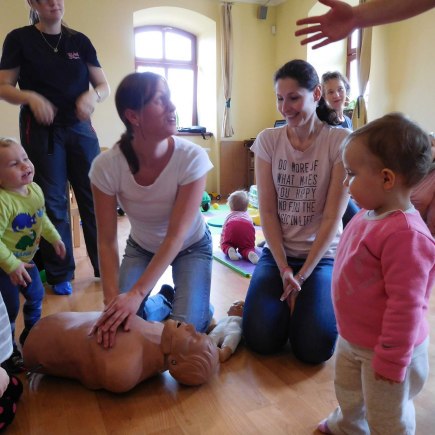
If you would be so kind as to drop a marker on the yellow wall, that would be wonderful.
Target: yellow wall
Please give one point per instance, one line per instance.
(403, 71)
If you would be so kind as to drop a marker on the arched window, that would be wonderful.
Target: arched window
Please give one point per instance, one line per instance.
(171, 52)
(353, 43)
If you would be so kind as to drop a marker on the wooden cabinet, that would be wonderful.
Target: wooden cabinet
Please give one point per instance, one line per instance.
(236, 166)
(250, 162)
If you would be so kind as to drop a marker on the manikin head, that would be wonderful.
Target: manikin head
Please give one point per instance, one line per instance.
(236, 308)
(192, 357)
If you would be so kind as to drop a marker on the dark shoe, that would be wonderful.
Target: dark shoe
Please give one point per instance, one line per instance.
(14, 389)
(14, 364)
(23, 336)
(168, 292)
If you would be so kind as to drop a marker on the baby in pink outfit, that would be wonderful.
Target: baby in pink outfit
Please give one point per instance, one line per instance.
(238, 231)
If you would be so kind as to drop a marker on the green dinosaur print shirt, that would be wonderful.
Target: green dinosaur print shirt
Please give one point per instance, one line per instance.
(22, 223)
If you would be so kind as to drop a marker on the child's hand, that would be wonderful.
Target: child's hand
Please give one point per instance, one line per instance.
(19, 276)
(379, 377)
(4, 381)
(59, 248)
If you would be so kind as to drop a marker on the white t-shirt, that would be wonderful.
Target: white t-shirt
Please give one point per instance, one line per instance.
(301, 181)
(5, 333)
(149, 208)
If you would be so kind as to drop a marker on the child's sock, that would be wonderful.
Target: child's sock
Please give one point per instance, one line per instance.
(232, 254)
(253, 257)
(323, 427)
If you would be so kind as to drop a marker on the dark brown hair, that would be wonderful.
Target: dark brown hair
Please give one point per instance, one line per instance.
(134, 92)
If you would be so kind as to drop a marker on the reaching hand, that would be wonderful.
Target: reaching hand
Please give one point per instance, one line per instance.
(43, 110)
(333, 26)
(19, 276)
(117, 313)
(85, 105)
(59, 248)
(379, 377)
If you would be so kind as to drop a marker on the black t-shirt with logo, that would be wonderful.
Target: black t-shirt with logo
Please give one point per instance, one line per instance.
(59, 76)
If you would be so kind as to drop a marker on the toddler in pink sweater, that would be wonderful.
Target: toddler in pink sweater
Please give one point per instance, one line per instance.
(383, 273)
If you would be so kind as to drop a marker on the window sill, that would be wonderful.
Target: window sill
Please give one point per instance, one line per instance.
(203, 135)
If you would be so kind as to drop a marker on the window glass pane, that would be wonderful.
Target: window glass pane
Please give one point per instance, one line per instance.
(149, 45)
(178, 47)
(181, 85)
(154, 69)
(354, 40)
(353, 80)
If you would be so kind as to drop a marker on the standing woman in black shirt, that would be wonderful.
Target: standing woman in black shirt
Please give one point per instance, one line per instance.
(53, 66)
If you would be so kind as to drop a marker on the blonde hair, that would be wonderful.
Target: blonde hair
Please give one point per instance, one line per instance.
(6, 142)
(238, 200)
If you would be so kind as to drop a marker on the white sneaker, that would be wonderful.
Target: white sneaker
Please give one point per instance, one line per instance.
(233, 254)
(253, 257)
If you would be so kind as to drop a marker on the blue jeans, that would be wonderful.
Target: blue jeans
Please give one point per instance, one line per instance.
(61, 154)
(191, 273)
(33, 295)
(267, 324)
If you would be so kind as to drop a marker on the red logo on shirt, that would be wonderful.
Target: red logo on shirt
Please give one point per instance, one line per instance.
(74, 55)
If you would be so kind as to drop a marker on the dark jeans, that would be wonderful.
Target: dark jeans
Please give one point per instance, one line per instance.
(267, 324)
(351, 210)
(33, 295)
(61, 154)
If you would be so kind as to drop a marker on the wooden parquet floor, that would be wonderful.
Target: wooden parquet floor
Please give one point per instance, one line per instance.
(251, 394)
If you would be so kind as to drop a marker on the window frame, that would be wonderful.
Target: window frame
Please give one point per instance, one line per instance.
(165, 63)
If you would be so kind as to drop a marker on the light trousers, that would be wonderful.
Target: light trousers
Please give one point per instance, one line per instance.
(374, 407)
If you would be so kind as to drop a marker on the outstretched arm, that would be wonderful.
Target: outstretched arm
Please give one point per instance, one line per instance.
(123, 307)
(342, 19)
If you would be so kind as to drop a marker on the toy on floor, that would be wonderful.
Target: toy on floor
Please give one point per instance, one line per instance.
(238, 232)
(60, 345)
(215, 195)
(215, 205)
(205, 203)
(228, 332)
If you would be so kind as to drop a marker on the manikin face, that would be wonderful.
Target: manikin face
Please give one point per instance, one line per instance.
(296, 104)
(236, 309)
(185, 338)
(364, 177)
(16, 170)
(50, 11)
(334, 92)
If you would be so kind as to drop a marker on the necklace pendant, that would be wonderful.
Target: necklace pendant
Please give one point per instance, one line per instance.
(55, 50)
